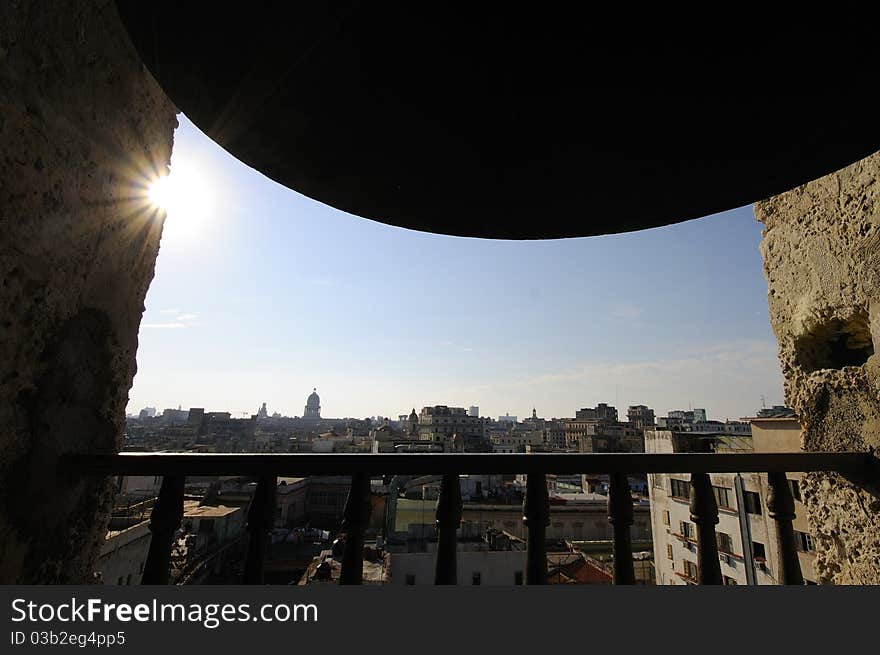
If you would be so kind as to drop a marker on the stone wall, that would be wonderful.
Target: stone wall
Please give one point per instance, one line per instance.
(821, 252)
(84, 128)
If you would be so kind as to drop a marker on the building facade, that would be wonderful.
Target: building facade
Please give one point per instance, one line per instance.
(745, 533)
(440, 424)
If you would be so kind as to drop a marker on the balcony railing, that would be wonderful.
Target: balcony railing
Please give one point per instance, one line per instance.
(167, 512)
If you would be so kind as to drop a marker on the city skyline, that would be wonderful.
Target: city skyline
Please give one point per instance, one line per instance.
(261, 294)
(395, 415)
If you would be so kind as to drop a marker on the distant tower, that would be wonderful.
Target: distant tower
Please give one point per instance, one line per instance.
(263, 412)
(313, 406)
(412, 424)
(534, 414)
(474, 411)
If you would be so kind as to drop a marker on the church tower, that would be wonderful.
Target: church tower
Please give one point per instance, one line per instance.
(412, 424)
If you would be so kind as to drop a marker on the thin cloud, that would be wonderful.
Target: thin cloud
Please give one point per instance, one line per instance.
(629, 312)
(163, 326)
(178, 322)
(722, 376)
(452, 344)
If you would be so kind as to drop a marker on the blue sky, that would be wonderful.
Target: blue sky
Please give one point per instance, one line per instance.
(261, 294)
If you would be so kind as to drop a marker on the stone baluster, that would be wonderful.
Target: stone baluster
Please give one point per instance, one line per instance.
(620, 515)
(536, 516)
(260, 520)
(449, 508)
(354, 524)
(164, 521)
(704, 514)
(780, 506)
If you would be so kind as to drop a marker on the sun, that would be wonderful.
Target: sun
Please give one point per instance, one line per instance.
(186, 197)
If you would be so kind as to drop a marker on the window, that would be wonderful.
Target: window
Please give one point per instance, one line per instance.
(680, 488)
(687, 530)
(665, 517)
(669, 551)
(795, 489)
(723, 497)
(728, 581)
(725, 543)
(758, 551)
(752, 501)
(518, 578)
(475, 579)
(690, 569)
(410, 579)
(804, 542)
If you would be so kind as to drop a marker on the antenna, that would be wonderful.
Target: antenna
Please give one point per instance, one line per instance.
(763, 403)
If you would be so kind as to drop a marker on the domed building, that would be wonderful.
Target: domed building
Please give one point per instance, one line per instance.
(313, 406)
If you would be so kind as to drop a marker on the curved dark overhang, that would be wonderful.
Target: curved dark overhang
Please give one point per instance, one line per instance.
(488, 121)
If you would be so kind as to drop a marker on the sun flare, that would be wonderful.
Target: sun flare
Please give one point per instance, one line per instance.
(186, 197)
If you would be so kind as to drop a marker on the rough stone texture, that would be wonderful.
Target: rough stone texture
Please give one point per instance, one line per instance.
(83, 128)
(821, 252)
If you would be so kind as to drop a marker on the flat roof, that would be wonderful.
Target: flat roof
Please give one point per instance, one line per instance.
(209, 511)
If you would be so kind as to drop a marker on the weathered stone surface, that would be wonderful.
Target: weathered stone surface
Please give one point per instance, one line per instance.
(821, 252)
(83, 128)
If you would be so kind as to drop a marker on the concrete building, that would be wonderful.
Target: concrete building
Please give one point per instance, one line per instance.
(600, 412)
(775, 411)
(554, 433)
(124, 553)
(147, 412)
(135, 488)
(438, 424)
(127, 541)
(746, 534)
(640, 416)
(484, 557)
(584, 517)
(782, 432)
(217, 523)
(473, 411)
(175, 416)
(514, 440)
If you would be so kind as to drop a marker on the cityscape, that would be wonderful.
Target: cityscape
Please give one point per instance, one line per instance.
(307, 535)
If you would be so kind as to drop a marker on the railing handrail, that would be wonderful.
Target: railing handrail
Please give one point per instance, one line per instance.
(305, 464)
(168, 511)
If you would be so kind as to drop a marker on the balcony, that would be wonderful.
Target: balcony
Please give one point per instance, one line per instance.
(168, 510)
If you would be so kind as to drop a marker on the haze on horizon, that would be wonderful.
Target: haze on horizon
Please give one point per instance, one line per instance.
(261, 294)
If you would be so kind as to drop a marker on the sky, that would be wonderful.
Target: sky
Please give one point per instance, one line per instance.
(261, 294)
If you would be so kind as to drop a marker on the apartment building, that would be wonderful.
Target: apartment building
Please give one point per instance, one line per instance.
(745, 532)
(439, 424)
